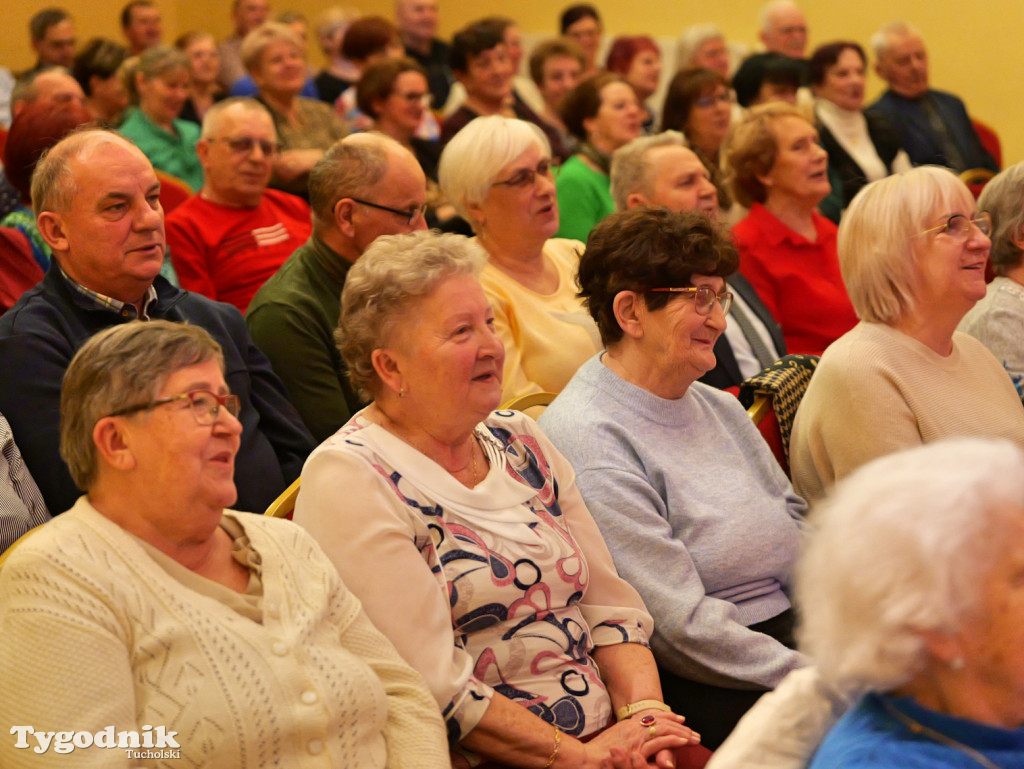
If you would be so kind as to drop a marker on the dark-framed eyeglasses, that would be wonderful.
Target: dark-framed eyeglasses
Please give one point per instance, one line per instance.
(244, 145)
(704, 297)
(527, 177)
(705, 102)
(958, 226)
(410, 215)
(205, 405)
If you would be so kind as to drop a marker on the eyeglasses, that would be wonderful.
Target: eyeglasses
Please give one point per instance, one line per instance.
(958, 226)
(410, 215)
(415, 96)
(704, 102)
(527, 177)
(244, 145)
(205, 405)
(704, 298)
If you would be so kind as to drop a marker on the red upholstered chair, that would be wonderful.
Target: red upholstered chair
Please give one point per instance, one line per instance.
(173, 191)
(18, 270)
(989, 140)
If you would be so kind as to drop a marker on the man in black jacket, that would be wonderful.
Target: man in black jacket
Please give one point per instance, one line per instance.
(96, 200)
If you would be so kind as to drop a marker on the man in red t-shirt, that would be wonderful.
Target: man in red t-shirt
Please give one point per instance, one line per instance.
(228, 239)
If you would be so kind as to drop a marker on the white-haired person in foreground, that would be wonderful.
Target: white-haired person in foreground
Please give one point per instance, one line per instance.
(910, 595)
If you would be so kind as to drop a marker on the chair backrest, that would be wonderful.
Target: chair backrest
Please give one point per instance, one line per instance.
(18, 268)
(989, 140)
(785, 381)
(524, 402)
(763, 416)
(173, 191)
(284, 505)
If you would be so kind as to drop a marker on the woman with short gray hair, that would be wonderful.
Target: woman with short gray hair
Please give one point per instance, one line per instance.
(497, 173)
(997, 321)
(228, 632)
(467, 541)
(910, 592)
(912, 250)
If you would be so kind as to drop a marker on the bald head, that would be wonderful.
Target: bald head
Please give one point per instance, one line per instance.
(53, 183)
(784, 29)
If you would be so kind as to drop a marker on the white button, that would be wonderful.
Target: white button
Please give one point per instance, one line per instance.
(309, 697)
(279, 649)
(315, 747)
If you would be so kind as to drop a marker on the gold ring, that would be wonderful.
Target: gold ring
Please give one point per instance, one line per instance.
(653, 730)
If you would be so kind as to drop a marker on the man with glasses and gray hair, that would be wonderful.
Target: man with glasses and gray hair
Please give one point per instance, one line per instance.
(365, 186)
(97, 203)
(235, 233)
(662, 171)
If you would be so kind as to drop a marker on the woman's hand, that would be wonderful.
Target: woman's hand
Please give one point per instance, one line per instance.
(631, 744)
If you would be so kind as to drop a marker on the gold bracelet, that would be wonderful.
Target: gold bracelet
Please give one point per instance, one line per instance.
(554, 753)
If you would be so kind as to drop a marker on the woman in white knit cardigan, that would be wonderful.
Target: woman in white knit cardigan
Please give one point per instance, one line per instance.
(151, 618)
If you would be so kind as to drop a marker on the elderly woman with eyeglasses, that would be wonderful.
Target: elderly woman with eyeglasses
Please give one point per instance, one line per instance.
(697, 513)
(497, 174)
(150, 608)
(912, 249)
(467, 541)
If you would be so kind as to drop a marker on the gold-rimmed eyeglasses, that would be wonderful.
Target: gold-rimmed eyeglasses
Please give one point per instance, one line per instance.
(704, 297)
(958, 226)
(205, 405)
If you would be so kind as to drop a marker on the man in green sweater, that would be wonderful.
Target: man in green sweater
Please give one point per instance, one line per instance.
(365, 186)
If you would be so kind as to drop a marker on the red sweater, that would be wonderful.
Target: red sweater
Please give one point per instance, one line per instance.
(797, 279)
(227, 253)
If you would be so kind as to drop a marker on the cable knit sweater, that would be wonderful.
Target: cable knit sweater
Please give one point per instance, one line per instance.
(96, 633)
(877, 390)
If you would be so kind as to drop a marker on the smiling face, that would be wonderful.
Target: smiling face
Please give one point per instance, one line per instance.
(145, 28)
(488, 76)
(516, 208)
(203, 59)
(950, 266)
(678, 181)
(57, 48)
(560, 74)
(417, 20)
(449, 355)
(800, 169)
(249, 14)
(619, 119)
(405, 105)
(844, 81)
(189, 463)
(904, 65)
(111, 238)
(709, 119)
(232, 177)
(162, 97)
(281, 69)
(786, 32)
(586, 33)
(644, 72)
(682, 340)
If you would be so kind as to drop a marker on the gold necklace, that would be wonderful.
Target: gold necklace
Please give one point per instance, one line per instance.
(917, 727)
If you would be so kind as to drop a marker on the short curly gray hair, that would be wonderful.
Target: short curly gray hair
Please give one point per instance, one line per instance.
(382, 286)
(901, 548)
(1003, 198)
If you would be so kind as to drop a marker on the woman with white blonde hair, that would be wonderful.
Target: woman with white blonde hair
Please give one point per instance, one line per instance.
(912, 250)
(497, 174)
(910, 592)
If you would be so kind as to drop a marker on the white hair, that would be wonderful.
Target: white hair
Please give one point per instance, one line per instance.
(901, 548)
(881, 40)
(690, 41)
(630, 171)
(773, 7)
(474, 157)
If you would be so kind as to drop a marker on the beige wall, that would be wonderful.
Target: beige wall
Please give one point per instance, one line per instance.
(975, 47)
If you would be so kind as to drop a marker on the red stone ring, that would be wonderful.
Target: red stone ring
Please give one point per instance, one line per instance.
(647, 720)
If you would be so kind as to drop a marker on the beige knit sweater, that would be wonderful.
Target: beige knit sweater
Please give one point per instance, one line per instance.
(96, 633)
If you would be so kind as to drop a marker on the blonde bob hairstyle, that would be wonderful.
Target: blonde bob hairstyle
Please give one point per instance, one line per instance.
(257, 41)
(121, 366)
(879, 244)
(752, 150)
(382, 288)
(472, 160)
(901, 549)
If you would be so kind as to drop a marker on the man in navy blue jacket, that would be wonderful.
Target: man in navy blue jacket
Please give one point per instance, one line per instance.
(96, 199)
(933, 125)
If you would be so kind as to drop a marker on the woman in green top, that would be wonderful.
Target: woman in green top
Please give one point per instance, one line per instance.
(604, 113)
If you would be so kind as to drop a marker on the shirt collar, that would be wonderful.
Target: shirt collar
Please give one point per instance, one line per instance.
(123, 309)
